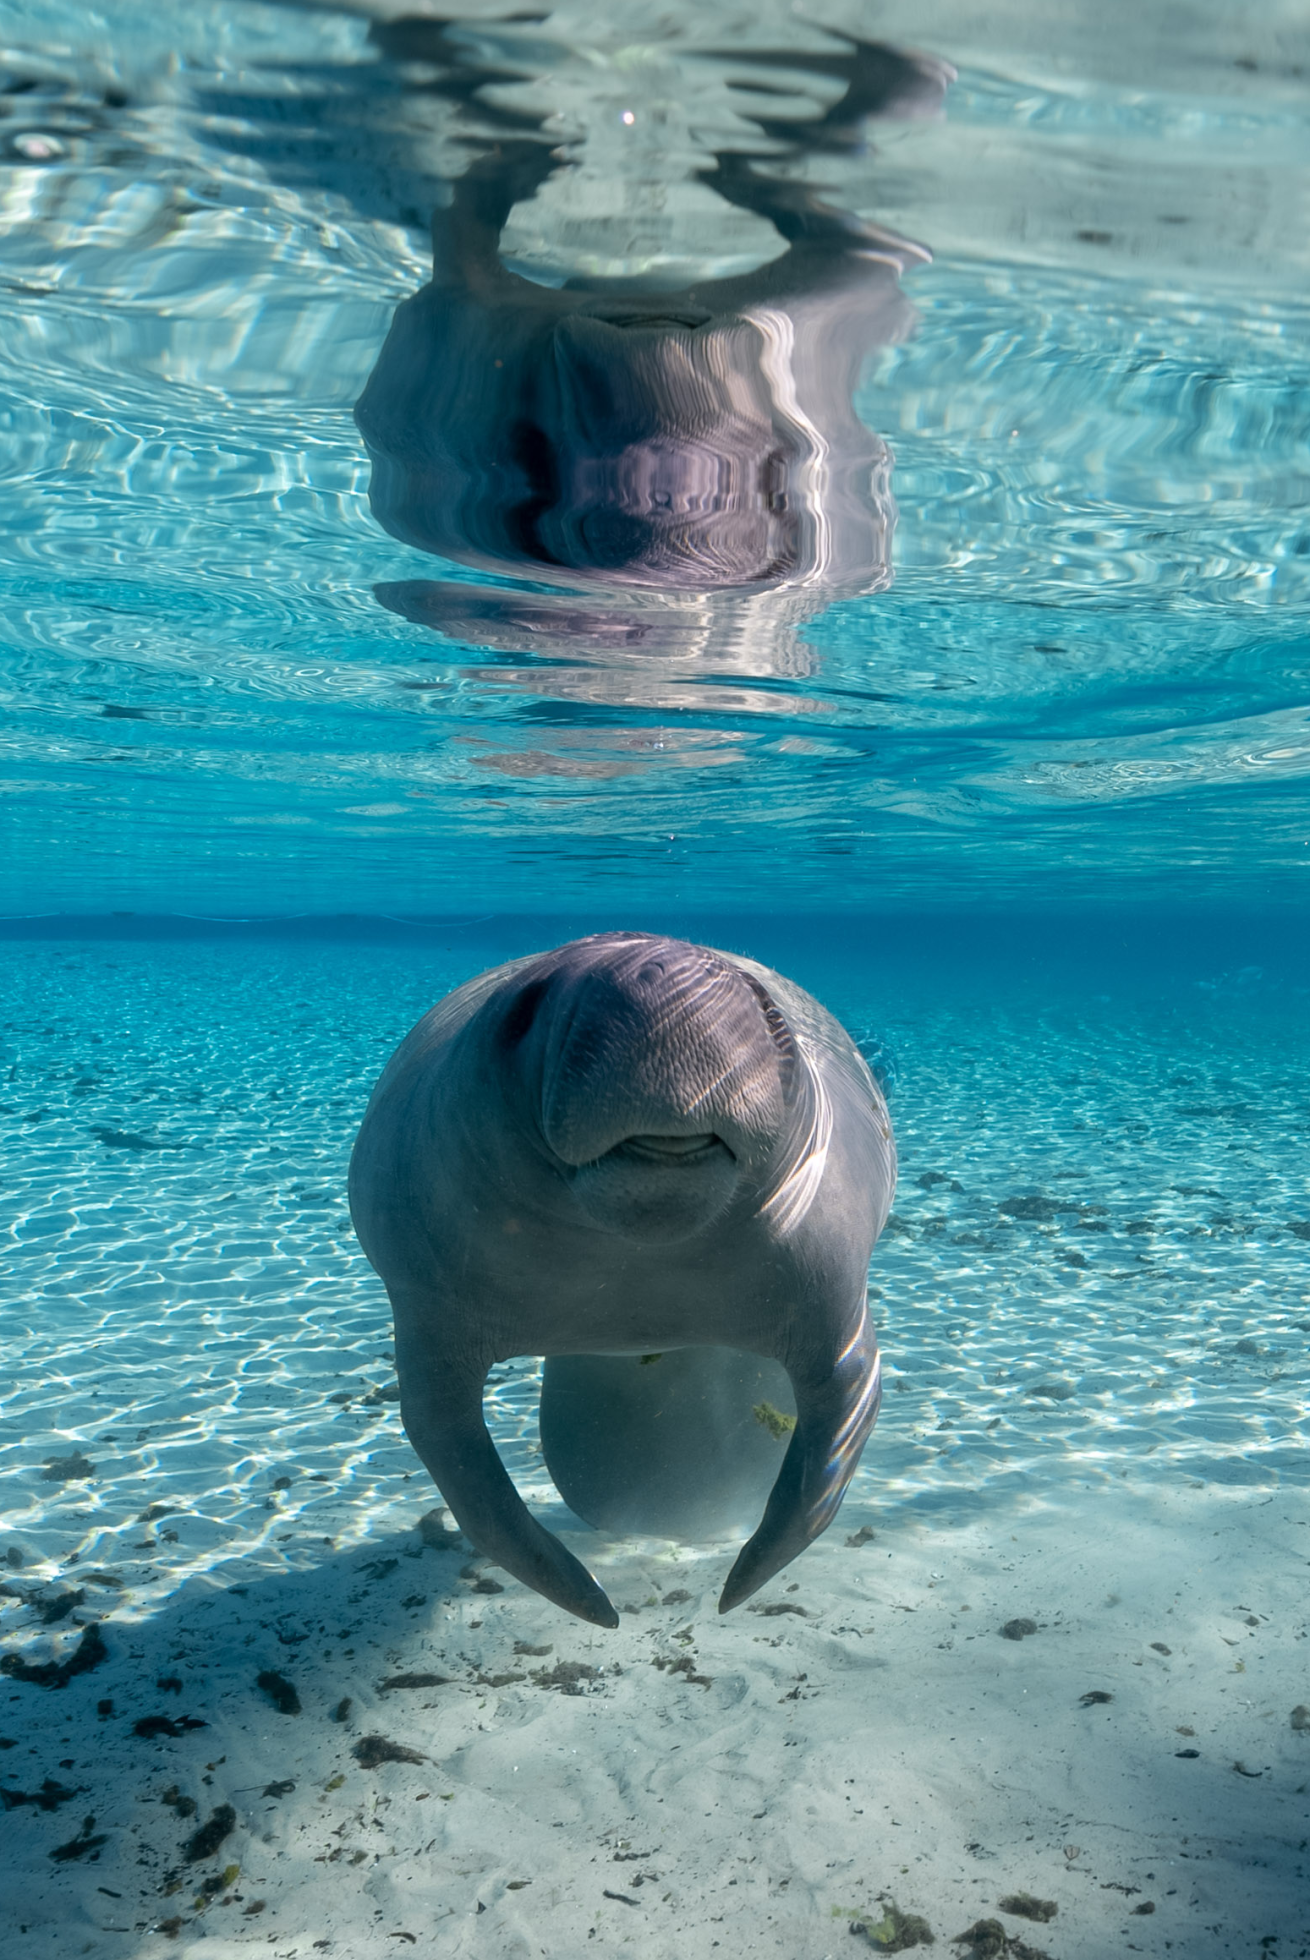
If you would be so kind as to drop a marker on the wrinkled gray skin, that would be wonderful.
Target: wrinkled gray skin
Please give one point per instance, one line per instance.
(625, 1146)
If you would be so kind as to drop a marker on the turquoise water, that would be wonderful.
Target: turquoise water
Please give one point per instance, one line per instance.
(998, 745)
(1086, 681)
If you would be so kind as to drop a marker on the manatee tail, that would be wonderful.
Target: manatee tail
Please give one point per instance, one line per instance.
(835, 1410)
(441, 1407)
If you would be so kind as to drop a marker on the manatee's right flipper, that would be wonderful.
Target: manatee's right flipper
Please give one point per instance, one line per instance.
(836, 1407)
(881, 81)
(466, 232)
(441, 1407)
(804, 219)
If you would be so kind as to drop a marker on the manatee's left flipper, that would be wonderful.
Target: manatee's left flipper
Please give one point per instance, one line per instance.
(836, 1407)
(441, 1408)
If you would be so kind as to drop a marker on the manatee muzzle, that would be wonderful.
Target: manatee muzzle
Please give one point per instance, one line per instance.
(658, 1189)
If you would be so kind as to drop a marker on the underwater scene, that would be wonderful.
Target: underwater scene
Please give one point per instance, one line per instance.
(654, 1081)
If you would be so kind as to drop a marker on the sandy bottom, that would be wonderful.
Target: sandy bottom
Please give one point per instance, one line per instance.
(1094, 1305)
(865, 1734)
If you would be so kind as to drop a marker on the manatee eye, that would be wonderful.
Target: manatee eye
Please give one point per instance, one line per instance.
(522, 1014)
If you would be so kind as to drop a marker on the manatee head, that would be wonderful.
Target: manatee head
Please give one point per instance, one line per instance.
(612, 443)
(656, 452)
(656, 1077)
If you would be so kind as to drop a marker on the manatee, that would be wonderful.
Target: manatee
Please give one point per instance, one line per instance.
(626, 1148)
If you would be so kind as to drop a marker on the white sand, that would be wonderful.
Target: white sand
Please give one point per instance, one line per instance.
(889, 1743)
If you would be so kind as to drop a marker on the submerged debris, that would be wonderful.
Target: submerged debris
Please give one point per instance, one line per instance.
(1094, 1698)
(48, 1797)
(151, 1726)
(205, 1842)
(82, 1844)
(88, 1653)
(1024, 1906)
(864, 1536)
(987, 1939)
(896, 1931)
(684, 1665)
(279, 1690)
(1035, 1206)
(566, 1676)
(777, 1424)
(67, 1469)
(371, 1750)
(57, 1606)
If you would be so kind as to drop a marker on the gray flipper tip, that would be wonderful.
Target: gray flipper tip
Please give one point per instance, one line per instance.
(579, 1594)
(738, 1588)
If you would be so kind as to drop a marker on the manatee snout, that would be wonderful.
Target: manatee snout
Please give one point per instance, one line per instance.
(658, 1189)
(660, 1064)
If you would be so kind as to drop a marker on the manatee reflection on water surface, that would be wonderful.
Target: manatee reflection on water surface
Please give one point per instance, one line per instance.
(682, 470)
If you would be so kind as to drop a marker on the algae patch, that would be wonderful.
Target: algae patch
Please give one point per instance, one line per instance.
(777, 1424)
(896, 1931)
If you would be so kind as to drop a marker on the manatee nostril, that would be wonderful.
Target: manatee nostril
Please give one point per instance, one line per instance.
(521, 1014)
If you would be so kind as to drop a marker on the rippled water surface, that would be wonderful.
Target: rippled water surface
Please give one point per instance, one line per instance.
(1087, 676)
